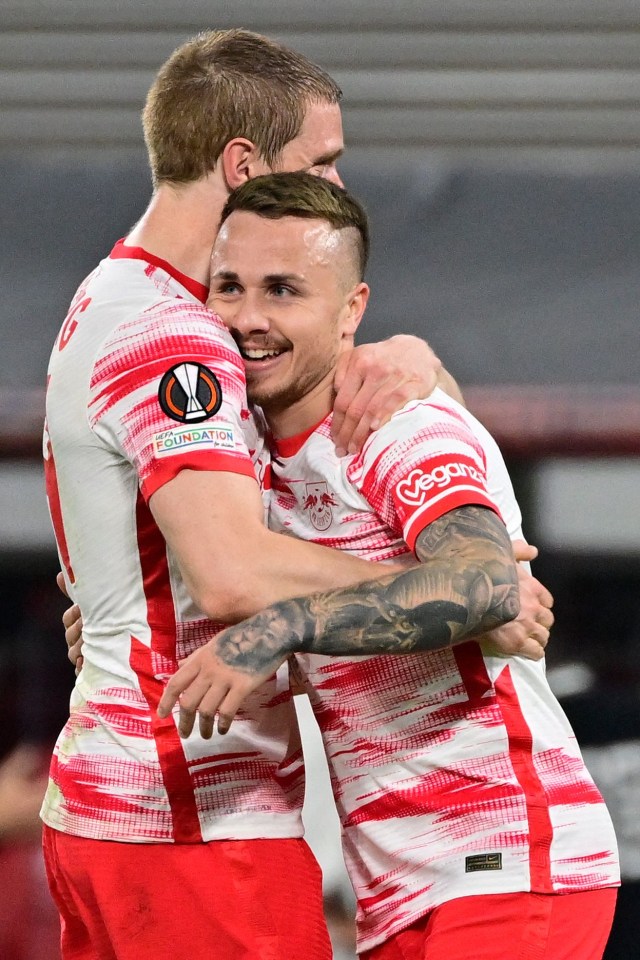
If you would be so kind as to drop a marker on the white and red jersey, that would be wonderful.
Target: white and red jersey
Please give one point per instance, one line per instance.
(145, 381)
(454, 773)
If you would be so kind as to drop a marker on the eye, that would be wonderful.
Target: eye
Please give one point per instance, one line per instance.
(326, 171)
(227, 286)
(281, 290)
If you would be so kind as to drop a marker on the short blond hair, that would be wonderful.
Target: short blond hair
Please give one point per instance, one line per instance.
(224, 84)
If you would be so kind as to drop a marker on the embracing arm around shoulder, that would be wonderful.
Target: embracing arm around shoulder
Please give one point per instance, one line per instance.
(231, 564)
(466, 584)
(375, 380)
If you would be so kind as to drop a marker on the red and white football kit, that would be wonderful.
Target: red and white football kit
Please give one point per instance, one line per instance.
(145, 381)
(455, 774)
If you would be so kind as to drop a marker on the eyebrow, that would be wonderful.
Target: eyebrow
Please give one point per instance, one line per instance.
(224, 275)
(270, 278)
(328, 158)
(273, 278)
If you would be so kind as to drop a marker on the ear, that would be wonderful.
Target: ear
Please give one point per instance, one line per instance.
(354, 309)
(240, 162)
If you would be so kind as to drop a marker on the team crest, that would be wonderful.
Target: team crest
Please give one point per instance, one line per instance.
(190, 393)
(318, 502)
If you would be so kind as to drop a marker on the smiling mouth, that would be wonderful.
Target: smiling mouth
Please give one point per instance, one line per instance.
(258, 353)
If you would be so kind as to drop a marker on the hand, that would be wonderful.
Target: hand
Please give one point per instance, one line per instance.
(72, 623)
(22, 787)
(527, 635)
(374, 381)
(62, 586)
(206, 685)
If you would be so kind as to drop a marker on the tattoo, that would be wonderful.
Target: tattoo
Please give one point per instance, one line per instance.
(465, 584)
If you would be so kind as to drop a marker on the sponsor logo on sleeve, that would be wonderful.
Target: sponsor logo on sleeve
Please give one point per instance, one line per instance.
(190, 393)
(218, 436)
(422, 482)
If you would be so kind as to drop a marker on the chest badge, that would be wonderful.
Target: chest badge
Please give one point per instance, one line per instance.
(319, 501)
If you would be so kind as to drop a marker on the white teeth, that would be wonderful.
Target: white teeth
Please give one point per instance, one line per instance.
(259, 354)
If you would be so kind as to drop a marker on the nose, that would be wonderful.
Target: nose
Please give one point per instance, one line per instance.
(247, 318)
(333, 176)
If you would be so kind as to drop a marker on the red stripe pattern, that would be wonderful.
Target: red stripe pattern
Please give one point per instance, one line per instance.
(455, 774)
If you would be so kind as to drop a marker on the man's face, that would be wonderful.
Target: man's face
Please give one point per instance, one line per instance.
(318, 146)
(285, 288)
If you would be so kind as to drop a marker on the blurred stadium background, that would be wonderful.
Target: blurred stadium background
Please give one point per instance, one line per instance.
(497, 148)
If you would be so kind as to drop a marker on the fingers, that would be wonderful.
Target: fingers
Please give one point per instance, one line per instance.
(531, 590)
(222, 705)
(207, 687)
(373, 381)
(74, 655)
(526, 636)
(359, 418)
(201, 699)
(72, 622)
(350, 403)
(61, 584)
(205, 703)
(200, 696)
(71, 615)
(524, 551)
(358, 412)
(545, 597)
(545, 618)
(178, 683)
(534, 645)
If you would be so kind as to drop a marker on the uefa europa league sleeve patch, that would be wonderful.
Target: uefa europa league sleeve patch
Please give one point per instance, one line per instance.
(190, 393)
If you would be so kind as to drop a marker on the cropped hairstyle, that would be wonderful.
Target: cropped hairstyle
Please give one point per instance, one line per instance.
(278, 195)
(225, 84)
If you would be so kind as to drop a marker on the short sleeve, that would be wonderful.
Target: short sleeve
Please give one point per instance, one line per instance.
(424, 463)
(168, 391)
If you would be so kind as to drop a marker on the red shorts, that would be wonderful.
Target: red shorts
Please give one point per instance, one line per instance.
(223, 900)
(510, 926)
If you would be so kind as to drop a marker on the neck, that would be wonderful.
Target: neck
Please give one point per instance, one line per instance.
(180, 225)
(304, 413)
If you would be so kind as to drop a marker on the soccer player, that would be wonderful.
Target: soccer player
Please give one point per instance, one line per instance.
(148, 431)
(471, 826)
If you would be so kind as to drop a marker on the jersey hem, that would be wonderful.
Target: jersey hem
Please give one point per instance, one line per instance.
(262, 828)
(371, 941)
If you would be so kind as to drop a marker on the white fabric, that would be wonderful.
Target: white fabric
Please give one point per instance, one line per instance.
(442, 757)
(119, 773)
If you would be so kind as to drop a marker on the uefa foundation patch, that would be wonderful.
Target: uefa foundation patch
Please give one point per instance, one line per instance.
(218, 436)
(190, 393)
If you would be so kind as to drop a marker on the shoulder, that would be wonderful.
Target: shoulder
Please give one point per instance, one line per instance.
(437, 423)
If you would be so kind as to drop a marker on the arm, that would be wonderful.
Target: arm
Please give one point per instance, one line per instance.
(232, 565)
(465, 585)
(375, 380)
(535, 619)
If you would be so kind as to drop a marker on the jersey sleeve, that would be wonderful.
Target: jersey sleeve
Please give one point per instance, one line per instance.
(425, 462)
(168, 391)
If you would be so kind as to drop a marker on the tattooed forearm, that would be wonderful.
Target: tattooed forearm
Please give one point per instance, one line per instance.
(466, 584)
